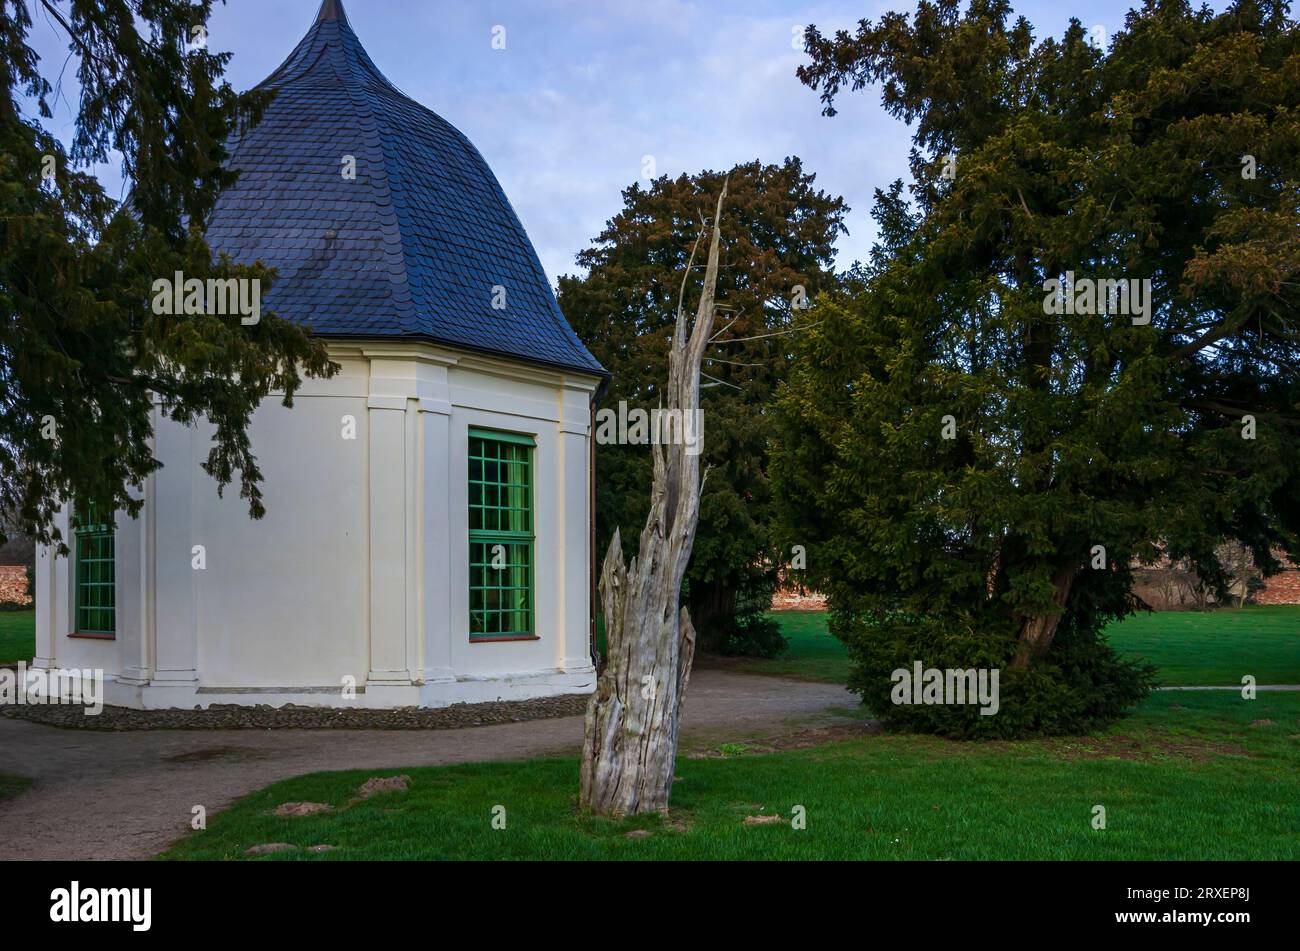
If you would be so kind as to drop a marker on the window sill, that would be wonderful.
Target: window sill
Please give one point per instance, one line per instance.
(511, 637)
(94, 637)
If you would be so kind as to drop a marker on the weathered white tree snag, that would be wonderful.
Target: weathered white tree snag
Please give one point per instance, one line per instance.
(630, 749)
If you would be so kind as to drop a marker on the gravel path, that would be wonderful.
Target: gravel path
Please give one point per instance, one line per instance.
(126, 795)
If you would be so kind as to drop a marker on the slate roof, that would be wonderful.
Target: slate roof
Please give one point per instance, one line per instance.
(414, 246)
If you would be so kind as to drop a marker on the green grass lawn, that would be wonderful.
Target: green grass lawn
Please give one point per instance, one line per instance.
(1190, 648)
(1216, 647)
(1210, 776)
(17, 635)
(812, 653)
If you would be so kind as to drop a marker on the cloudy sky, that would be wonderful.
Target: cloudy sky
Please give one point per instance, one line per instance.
(586, 89)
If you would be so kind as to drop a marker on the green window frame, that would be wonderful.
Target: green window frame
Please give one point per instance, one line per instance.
(501, 592)
(96, 572)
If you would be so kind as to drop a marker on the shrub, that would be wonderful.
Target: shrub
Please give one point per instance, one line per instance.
(750, 631)
(1085, 686)
(751, 636)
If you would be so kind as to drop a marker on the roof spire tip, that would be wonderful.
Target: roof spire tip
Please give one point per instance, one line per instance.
(331, 10)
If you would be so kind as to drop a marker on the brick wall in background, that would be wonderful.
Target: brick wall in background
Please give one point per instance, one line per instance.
(1282, 588)
(1150, 585)
(13, 585)
(792, 599)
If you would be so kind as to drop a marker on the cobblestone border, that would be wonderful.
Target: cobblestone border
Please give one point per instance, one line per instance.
(232, 717)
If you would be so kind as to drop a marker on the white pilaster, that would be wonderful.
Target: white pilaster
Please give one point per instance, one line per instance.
(573, 650)
(387, 540)
(174, 595)
(394, 531)
(132, 640)
(438, 543)
(51, 611)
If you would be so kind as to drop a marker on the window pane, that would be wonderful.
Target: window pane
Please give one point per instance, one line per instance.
(94, 573)
(501, 543)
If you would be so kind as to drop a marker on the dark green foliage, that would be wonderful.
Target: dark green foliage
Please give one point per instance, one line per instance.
(1068, 431)
(778, 233)
(80, 348)
(750, 631)
(1083, 686)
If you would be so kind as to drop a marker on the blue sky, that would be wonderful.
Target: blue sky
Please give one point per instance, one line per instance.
(585, 89)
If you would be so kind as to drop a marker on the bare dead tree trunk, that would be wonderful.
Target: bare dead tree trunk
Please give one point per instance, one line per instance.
(630, 749)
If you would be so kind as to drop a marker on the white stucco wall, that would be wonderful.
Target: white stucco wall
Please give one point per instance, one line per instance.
(360, 567)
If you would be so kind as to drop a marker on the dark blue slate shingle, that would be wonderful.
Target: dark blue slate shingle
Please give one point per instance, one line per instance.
(414, 246)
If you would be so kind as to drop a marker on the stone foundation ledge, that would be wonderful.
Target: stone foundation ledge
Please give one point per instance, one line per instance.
(291, 717)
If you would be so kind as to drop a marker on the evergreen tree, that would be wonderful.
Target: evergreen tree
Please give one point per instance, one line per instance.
(777, 254)
(82, 355)
(978, 441)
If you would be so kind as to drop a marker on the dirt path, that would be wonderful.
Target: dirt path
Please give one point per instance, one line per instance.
(101, 795)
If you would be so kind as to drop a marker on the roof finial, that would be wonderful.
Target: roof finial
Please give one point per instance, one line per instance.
(331, 10)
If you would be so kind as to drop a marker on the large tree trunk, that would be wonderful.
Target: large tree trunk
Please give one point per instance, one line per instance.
(1037, 631)
(630, 748)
